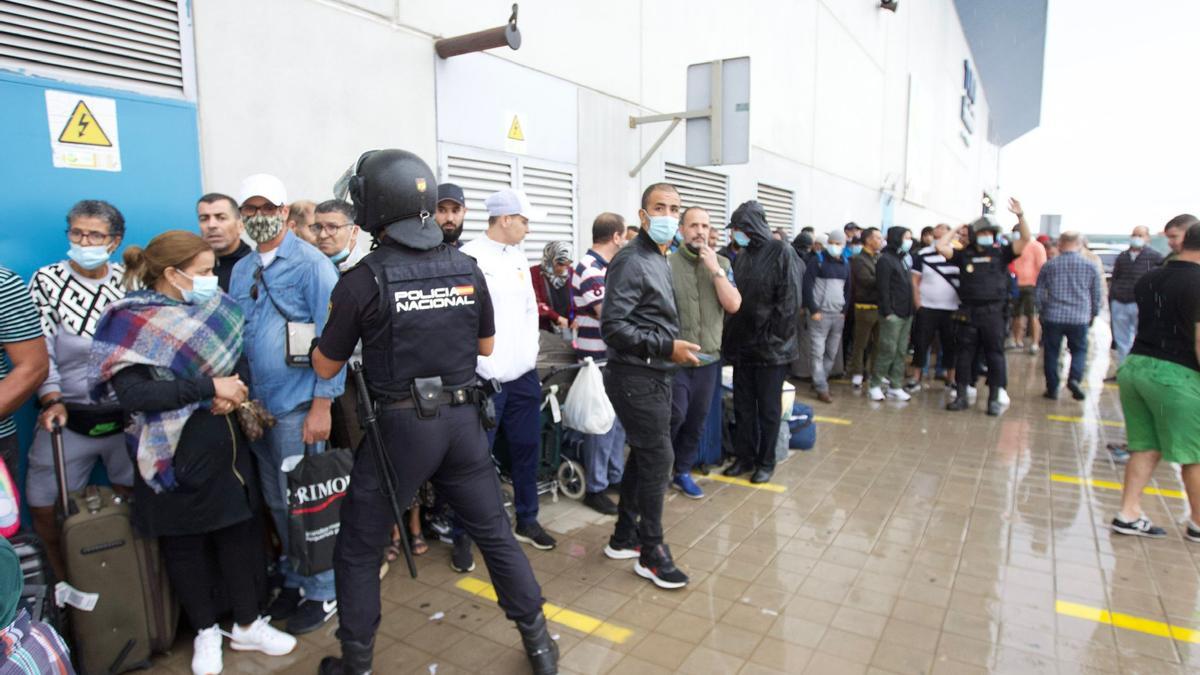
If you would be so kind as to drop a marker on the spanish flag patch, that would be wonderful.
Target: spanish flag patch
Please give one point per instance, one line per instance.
(464, 290)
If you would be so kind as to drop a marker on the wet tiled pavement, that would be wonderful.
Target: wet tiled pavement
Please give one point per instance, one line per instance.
(911, 540)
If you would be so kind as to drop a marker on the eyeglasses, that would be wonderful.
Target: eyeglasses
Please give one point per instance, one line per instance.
(254, 287)
(90, 238)
(251, 211)
(330, 230)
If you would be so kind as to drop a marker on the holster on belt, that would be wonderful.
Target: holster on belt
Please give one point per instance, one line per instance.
(427, 396)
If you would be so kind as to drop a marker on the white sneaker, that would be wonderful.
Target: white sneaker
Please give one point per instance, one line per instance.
(875, 393)
(951, 393)
(856, 381)
(972, 392)
(261, 637)
(1002, 397)
(1033, 349)
(206, 652)
(898, 395)
(887, 382)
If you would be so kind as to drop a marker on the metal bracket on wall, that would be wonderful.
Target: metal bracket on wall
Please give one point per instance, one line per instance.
(713, 112)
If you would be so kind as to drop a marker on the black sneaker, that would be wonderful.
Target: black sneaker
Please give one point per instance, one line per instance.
(600, 502)
(622, 550)
(311, 615)
(994, 408)
(535, 536)
(1192, 533)
(912, 386)
(1051, 395)
(960, 402)
(1076, 391)
(657, 566)
(1138, 528)
(461, 560)
(284, 605)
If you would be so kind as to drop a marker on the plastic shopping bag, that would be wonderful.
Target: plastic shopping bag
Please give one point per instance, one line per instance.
(587, 408)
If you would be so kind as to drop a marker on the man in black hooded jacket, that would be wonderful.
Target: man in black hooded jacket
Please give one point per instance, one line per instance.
(896, 308)
(760, 340)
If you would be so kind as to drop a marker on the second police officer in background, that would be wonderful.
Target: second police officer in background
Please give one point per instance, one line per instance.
(983, 299)
(423, 313)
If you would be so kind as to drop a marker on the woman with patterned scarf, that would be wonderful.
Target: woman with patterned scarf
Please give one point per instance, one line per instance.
(552, 286)
(170, 353)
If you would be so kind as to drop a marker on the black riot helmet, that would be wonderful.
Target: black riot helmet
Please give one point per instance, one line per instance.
(395, 193)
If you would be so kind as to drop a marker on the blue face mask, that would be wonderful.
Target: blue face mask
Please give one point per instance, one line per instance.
(905, 245)
(340, 255)
(1136, 242)
(663, 229)
(88, 257)
(985, 240)
(203, 290)
(855, 249)
(741, 238)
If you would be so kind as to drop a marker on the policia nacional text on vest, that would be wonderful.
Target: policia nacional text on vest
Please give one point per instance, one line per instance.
(423, 313)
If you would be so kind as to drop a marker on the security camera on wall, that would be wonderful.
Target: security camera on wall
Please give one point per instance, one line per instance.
(889, 5)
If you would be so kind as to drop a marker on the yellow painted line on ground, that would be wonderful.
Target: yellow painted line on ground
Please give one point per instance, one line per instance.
(569, 618)
(1127, 621)
(772, 487)
(832, 420)
(1110, 485)
(1065, 418)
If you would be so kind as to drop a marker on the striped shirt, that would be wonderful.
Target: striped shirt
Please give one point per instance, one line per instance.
(33, 648)
(939, 279)
(588, 288)
(18, 322)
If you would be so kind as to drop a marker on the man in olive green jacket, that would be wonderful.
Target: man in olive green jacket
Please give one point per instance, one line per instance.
(704, 293)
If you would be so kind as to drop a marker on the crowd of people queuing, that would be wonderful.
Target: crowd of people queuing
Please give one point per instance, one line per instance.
(168, 344)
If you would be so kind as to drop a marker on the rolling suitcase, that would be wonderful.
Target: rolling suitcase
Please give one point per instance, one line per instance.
(134, 613)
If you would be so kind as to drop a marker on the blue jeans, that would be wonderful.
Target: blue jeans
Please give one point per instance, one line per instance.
(1077, 345)
(1124, 327)
(518, 410)
(604, 457)
(284, 440)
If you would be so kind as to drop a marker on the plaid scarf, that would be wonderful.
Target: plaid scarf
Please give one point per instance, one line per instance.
(178, 341)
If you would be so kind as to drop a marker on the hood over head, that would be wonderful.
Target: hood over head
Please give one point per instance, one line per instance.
(895, 235)
(751, 219)
(802, 243)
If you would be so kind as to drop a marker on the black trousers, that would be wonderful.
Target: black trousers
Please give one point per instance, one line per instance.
(216, 569)
(642, 400)
(757, 412)
(930, 322)
(982, 332)
(452, 451)
(691, 401)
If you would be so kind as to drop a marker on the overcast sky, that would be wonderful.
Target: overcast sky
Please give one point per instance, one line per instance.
(1119, 141)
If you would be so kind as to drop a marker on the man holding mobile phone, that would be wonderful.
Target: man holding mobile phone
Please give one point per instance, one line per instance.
(704, 293)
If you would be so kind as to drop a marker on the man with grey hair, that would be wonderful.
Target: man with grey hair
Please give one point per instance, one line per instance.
(1130, 266)
(335, 233)
(1068, 298)
(826, 291)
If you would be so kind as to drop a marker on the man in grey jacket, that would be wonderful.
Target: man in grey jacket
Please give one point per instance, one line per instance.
(826, 292)
(640, 326)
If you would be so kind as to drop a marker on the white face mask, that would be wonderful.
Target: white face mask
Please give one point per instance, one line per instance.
(834, 250)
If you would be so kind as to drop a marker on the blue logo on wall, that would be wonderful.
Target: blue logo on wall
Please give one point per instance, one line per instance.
(967, 112)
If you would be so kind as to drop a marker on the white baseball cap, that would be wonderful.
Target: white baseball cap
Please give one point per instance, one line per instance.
(262, 185)
(511, 203)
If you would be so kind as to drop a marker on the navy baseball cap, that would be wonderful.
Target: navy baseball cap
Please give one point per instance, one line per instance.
(450, 191)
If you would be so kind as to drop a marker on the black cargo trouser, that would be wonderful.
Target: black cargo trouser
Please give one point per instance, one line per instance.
(642, 400)
(451, 450)
(980, 328)
(758, 412)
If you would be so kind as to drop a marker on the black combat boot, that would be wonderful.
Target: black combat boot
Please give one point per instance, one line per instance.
(994, 408)
(541, 650)
(356, 660)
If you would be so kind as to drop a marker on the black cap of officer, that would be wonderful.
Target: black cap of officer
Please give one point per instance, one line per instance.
(395, 192)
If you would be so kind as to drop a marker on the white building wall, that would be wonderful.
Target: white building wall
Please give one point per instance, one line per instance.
(829, 95)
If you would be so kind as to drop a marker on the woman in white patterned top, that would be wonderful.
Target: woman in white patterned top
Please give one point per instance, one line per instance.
(70, 296)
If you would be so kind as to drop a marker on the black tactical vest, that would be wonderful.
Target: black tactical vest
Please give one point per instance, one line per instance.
(430, 301)
(983, 276)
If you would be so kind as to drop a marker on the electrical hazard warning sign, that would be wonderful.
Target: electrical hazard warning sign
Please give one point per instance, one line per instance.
(83, 131)
(514, 138)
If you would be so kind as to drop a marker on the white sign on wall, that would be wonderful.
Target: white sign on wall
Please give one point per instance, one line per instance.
(83, 131)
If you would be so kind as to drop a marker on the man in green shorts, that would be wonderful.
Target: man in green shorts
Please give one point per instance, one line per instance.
(1160, 387)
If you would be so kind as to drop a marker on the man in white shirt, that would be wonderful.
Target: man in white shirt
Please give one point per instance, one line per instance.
(514, 360)
(935, 293)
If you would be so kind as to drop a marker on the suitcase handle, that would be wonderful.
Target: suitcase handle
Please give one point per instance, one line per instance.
(66, 508)
(92, 499)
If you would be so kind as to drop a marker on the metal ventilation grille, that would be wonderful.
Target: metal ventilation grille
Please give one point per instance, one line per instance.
(779, 205)
(706, 189)
(119, 43)
(553, 192)
(478, 178)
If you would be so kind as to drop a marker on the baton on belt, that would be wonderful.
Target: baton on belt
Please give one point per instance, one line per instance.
(375, 439)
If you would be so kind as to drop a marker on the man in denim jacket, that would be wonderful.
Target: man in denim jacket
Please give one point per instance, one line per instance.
(285, 279)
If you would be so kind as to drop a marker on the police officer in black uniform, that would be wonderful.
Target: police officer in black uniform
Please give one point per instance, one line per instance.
(983, 302)
(423, 313)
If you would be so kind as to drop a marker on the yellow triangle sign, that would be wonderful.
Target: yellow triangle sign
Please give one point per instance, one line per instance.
(83, 129)
(514, 130)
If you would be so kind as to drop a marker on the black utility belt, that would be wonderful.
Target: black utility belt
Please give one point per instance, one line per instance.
(464, 396)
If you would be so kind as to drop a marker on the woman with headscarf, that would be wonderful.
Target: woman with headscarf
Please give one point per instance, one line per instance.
(552, 286)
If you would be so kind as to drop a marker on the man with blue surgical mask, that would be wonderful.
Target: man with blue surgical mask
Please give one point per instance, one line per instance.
(640, 326)
(336, 234)
(983, 297)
